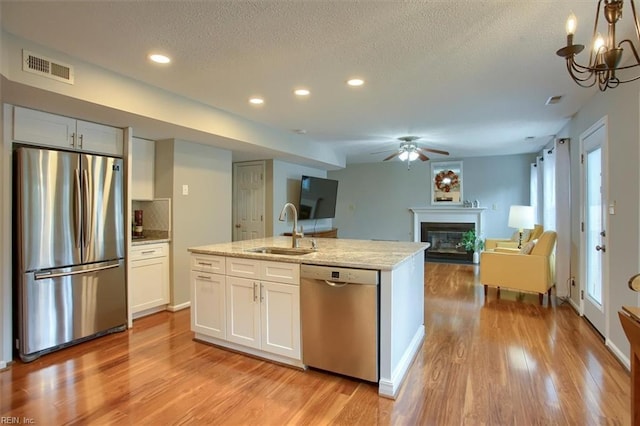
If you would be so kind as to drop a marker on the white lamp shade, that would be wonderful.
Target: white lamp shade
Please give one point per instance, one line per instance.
(521, 217)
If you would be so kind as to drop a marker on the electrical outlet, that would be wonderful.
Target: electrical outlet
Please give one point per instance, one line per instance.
(185, 189)
(494, 206)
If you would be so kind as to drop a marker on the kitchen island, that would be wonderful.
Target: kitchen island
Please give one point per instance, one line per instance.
(222, 273)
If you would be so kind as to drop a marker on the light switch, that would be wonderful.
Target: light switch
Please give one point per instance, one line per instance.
(185, 189)
(612, 208)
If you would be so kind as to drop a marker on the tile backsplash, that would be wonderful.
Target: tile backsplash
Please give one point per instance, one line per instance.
(156, 214)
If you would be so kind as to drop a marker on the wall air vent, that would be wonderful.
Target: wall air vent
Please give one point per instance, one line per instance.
(553, 100)
(38, 64)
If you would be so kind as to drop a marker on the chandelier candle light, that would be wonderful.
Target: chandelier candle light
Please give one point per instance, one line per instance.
(605, 57)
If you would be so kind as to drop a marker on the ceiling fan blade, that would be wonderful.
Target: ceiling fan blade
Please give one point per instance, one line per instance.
(394, 155)
(437, 151)
(386, 150)
(421, 156)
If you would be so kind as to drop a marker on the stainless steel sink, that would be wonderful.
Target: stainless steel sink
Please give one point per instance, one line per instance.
(288, 251)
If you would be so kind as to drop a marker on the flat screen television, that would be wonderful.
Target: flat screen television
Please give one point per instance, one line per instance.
(317, 198)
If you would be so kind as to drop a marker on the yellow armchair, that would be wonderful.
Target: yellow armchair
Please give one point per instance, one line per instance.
(516, 270)
(528, 235)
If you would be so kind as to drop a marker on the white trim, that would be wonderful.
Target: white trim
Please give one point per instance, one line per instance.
(577, 308)
(603, 122)
(250, 351)
(389, 387)
(178, 307)
(6, 270)
(618, 353)
(444, 214)
(149, 311)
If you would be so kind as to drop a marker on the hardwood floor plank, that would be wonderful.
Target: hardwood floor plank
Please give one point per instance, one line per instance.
(506, 361)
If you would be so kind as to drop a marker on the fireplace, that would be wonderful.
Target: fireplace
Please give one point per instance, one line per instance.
(445, 239)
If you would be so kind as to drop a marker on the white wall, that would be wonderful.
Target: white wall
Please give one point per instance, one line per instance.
(374, 198)
(621, 105)
(203, 216)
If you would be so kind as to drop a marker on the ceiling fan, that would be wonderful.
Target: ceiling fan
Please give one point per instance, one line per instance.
(410, 151)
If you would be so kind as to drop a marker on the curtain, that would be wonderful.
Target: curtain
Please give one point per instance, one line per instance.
(533, 190)
(549, 189)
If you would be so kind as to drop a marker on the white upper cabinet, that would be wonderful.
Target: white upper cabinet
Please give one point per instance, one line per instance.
(46, 129)
(142, 169)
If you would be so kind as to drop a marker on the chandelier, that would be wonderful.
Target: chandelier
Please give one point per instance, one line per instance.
(604, 60)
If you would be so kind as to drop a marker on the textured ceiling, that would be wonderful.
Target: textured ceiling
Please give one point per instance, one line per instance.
(470, 77)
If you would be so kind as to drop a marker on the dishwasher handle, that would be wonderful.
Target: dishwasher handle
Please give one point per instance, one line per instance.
(335, 284)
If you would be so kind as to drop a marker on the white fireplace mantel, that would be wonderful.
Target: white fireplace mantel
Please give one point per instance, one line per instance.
(446, 214)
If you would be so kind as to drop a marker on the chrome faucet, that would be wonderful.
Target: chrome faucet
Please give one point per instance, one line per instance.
(295, 235)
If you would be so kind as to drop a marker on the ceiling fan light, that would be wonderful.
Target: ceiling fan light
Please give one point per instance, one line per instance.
(413, 156)
(403, 156)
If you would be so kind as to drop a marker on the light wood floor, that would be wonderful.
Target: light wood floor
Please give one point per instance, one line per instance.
(499, 362)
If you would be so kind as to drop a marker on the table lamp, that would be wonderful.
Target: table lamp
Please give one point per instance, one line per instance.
(521, 217)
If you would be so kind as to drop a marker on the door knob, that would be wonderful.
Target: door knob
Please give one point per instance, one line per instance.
(238, 225)
(601, 248)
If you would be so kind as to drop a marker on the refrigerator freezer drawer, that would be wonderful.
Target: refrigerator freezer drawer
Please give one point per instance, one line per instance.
(70, 305)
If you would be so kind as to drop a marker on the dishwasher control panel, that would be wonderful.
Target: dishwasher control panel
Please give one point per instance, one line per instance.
(341, 275)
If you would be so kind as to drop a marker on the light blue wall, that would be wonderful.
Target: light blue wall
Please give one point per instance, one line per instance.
(374, 198)
(286, 188)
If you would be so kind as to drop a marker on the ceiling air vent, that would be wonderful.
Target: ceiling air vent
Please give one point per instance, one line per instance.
(553, 100)
(38, 64)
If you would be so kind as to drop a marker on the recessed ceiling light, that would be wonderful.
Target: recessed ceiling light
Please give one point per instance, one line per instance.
(159, 59)
(355, 82)
(302, 92)
(256, 101)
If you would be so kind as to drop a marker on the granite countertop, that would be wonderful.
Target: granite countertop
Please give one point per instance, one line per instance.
(151, 236)
(149, 240)
(366, 254)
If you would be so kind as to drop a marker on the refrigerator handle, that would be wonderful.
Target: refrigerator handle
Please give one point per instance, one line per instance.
(49, 274)
(76, 205)
(87, 213)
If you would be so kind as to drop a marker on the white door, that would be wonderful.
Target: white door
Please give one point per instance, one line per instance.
(243, 311)
(208, 314)
(249, 191)
(280, 319)
(594, 293)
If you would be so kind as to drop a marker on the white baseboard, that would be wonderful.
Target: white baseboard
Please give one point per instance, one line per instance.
(3, 365)
(179, 307)
(389, 387)
(618, 353)
(574, 306)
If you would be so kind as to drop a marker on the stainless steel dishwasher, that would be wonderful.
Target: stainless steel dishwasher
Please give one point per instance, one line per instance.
(339, 309)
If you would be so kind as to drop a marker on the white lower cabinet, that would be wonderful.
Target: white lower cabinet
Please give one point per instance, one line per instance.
(280, 319)
(149, 280)
(243, 312)
(260, 314)
(208, 297)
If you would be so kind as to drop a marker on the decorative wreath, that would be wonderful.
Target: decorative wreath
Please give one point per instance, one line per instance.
(446, 180)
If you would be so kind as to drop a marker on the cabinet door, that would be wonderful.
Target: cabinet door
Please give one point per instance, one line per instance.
(42, 128)
(243, 311)
(208, 308)
(98, 138)
(142, 169)
(149, 283)
(280, 318)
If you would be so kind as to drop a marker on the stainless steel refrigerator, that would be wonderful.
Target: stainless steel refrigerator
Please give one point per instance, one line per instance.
(69, 246)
